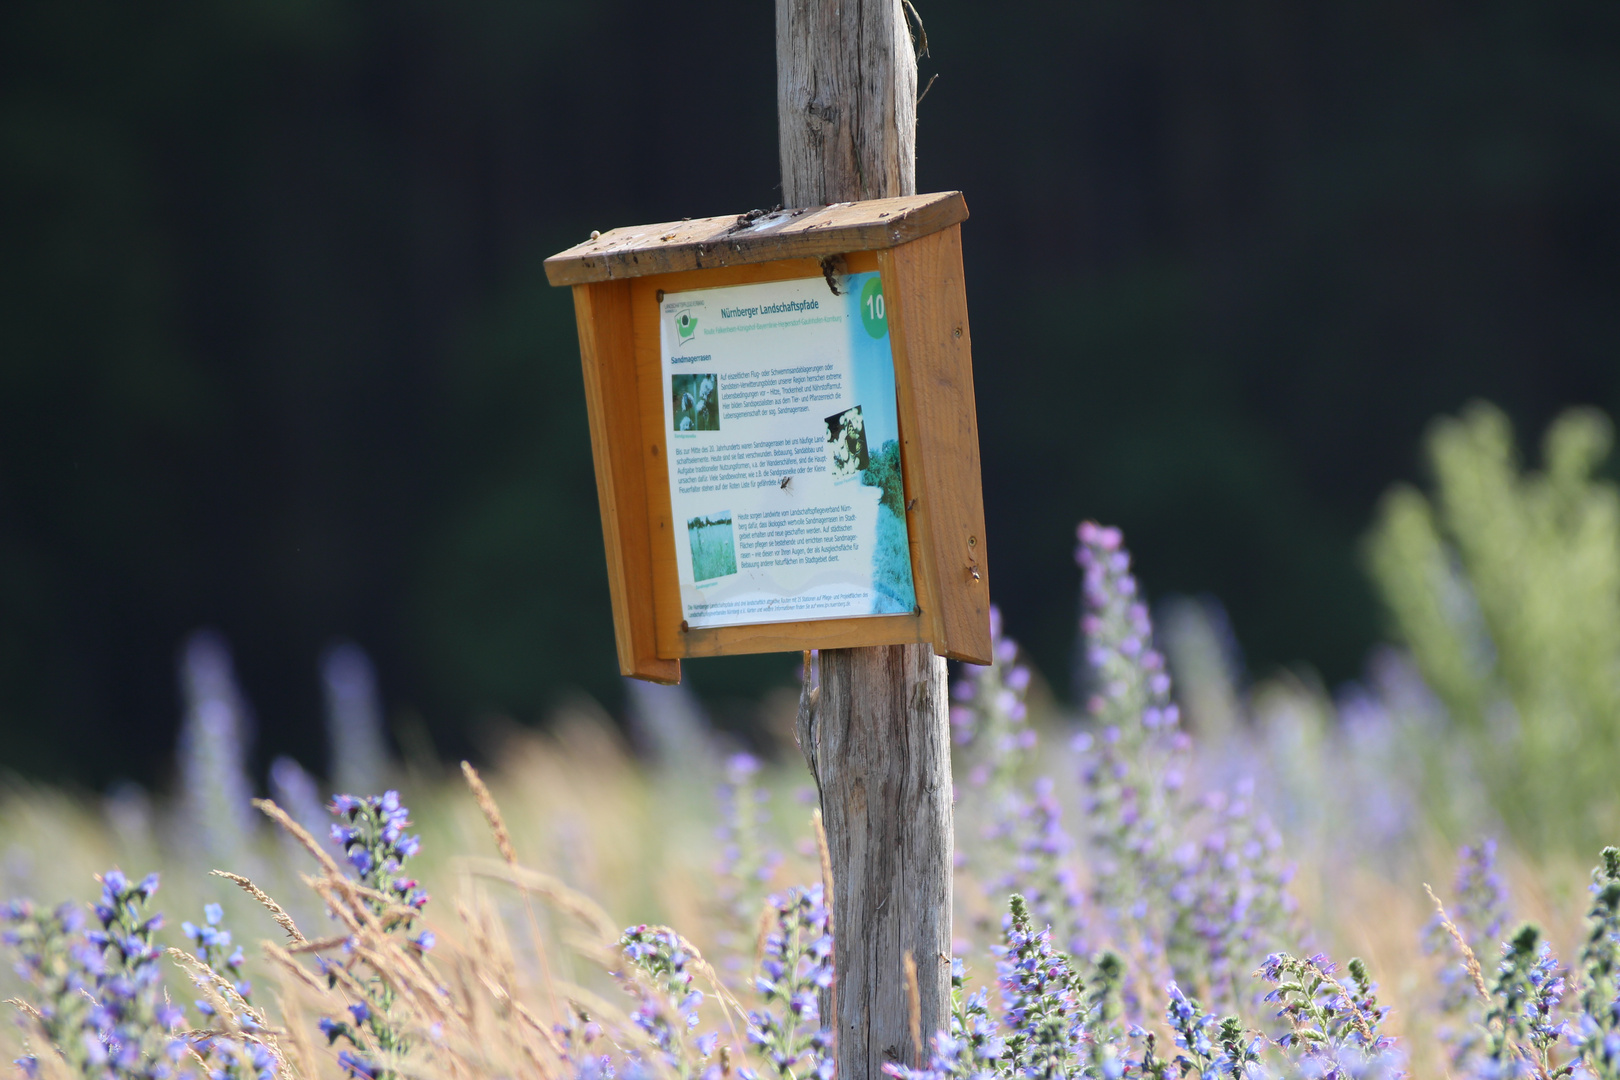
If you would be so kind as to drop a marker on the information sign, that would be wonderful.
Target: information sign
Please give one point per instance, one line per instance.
(784, 452)
(784, 433)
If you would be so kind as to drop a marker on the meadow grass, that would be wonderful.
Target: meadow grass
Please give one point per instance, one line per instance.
(595, 839)
(1154, 887)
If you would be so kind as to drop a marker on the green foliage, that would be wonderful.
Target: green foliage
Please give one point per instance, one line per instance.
(891, 560)
(1505, 585)
(1599, 1036)
(883, 472)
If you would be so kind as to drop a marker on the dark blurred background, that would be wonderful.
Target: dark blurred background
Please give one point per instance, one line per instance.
(277, 354)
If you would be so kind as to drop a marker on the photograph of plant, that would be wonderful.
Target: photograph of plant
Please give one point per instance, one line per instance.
(697, 402)
(891, 555)
(846, 443)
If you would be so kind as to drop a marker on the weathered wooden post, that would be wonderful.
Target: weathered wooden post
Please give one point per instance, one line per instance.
(787, 458)
(876, 732)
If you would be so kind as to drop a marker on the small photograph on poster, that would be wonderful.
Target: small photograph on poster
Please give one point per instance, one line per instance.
(697, 402)
(846, 442)
(714, 546)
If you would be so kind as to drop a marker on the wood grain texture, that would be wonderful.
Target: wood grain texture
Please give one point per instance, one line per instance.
(846, 101)
(647, 351)
(810, 633)
(875, 730)
(933, 349)
(914, 468)
(602, 313)
(875, 734)
(705, 243)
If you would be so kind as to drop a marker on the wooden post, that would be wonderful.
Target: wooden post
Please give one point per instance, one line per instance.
(875, 732)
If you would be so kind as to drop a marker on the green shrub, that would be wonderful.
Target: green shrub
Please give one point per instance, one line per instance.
(1505, 585)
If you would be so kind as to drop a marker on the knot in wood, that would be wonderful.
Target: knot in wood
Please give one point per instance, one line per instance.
(825, 111)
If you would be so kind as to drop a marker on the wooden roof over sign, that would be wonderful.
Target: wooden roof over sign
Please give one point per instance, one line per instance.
(758, 236)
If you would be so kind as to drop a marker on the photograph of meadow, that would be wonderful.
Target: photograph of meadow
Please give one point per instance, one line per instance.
(714, 546)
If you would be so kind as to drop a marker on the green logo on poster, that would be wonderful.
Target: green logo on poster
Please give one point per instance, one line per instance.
(685, 326)
(873, 315)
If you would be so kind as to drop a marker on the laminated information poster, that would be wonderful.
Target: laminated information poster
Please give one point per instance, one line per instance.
(784, 452)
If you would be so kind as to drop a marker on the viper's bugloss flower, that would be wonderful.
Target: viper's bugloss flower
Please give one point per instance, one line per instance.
(1333, 1027)
(747, 858)
(1596, 1033)
(667, 1003)
(1041, 1016)
(1197, 880)
(357, 1066)
(354, 719)
(795, 965)
(1022, 822)
(215, 741)
(371, 830)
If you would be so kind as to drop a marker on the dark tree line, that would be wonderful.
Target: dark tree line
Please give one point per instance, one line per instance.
(277, 355)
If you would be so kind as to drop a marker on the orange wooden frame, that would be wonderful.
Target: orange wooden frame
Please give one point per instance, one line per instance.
(939, 450)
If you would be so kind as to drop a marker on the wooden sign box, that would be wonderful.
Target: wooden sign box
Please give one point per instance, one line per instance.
(619, 279)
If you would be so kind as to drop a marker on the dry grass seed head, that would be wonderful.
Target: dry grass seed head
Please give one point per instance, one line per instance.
(284, 920)
(825, 854)
(229, 1008)
(491, 948)
(26, 1009)
(303, 1053)
(503, 841)
(299, 833)
(550, 889)
(767, 915)
(728, 1001)
(284, 960)
(319, 945)
(492, 813)
(494, 966)
(1470, 961)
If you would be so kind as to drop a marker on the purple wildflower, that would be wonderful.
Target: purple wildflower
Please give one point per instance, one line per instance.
(1030, 850)
(1132, 757)
(1479, 914)
(99, 994)
(357, 1066)
(1526, 993)
(215, 740)
(371, 831)
(796, 966)
(354, 726)
(1040, 1000)
(666, 1002)
(1597, 1029)
(1198, 883)
(1334, 1028)
(747, 860)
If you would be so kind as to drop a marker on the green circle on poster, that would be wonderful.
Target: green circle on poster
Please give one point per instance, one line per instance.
(873, 315)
